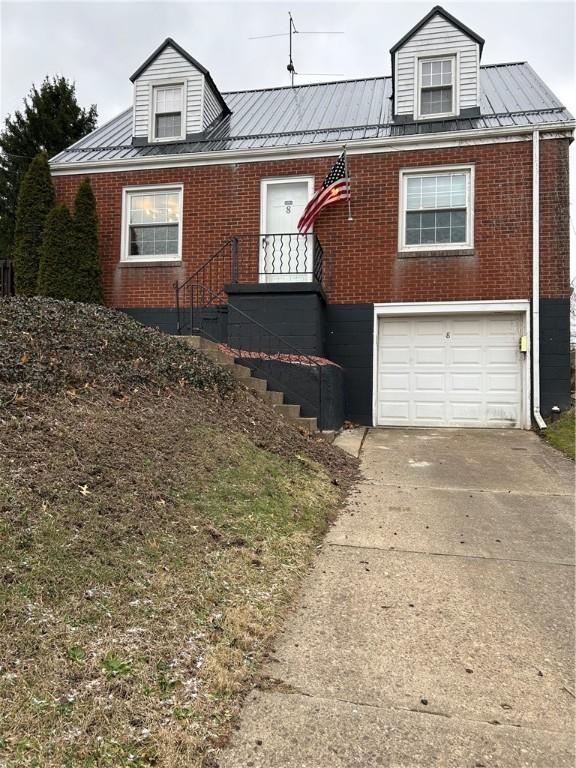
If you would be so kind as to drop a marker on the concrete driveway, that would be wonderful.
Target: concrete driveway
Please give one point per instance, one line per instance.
(436, 628)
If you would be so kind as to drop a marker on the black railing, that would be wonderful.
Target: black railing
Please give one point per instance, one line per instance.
(6, 278)
(245, 259)
(250, 342)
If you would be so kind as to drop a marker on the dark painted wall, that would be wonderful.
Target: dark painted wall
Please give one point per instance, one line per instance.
(163, 318)
(212, 321)
(294, 315)
(318, 390)
(349, 340)
(554, 354)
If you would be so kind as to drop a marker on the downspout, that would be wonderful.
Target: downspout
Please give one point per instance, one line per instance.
(536, 280)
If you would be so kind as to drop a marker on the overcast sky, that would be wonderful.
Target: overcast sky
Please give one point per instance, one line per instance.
(100, 44)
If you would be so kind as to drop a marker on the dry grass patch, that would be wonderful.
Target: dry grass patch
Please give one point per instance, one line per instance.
(147, 559)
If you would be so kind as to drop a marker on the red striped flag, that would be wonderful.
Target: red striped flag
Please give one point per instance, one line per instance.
(336, 187)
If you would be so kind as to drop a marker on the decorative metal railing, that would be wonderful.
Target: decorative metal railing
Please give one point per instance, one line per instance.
(254, 345)
(280, 258)
(6, 278)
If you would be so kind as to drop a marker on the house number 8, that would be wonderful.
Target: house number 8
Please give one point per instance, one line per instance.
(288, 204)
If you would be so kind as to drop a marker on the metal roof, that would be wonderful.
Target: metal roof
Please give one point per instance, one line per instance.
(510, 95)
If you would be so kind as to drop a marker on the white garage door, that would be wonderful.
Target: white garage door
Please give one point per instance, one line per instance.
(450, 371)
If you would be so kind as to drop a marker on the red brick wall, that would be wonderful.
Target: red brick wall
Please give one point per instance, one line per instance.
(224, 200)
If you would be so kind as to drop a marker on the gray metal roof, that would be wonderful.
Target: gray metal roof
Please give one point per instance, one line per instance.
(511, 95)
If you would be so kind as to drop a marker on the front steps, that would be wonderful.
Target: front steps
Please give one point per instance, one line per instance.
(259, 386)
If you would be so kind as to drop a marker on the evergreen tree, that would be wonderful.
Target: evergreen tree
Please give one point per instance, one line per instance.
(57, 276)
(50, 121)
(35, 201)
(85, 247)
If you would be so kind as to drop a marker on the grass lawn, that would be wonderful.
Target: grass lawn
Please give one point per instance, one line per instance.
(561, 434)
(138, 598)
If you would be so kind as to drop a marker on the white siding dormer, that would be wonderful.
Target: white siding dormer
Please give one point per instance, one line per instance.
(436, 69)
(174, 96)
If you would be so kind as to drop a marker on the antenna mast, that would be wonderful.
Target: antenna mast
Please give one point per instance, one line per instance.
(290, 67)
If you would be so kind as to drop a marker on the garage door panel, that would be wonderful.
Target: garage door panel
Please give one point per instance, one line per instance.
(502, 382)
(468, 356)
(429, 382)
(397, 382)
(430, 412)
(429, 327)
(397, 355)
(450, 370)
(465, 412)
(395, 413)
(430, 356)
(504, 356)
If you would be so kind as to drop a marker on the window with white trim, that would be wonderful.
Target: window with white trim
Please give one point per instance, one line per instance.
(436, 210)
(168, 112)
(152, 227)
(436, 79)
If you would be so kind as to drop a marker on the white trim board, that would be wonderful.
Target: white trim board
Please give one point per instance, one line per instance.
(408, 309)
(358, 147)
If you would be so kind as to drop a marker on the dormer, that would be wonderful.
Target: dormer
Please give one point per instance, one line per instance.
(435, 70)
(175, 98)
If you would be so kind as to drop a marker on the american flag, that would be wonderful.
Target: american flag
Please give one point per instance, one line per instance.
(336, 187)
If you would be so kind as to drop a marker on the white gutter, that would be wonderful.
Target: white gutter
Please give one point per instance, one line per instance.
(536, 279)
(357, 146)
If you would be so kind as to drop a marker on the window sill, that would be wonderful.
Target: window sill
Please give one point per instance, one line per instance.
(166, 263)
(433, 253)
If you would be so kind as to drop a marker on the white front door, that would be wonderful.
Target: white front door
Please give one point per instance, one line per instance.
(285, 256)
(450, 371)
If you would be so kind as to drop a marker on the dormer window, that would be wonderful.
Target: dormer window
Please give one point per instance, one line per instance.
(174, 97)
(435, 70)
(436, 78)
(168, 110)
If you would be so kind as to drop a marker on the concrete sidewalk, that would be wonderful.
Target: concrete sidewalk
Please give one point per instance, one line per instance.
(436, 628)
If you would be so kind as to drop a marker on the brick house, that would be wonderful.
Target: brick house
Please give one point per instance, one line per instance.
(442, 301)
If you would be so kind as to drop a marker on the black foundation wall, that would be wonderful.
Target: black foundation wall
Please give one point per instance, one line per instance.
(212, 321)
(292, 311)
(349, 340)
(554, 354)
(318, 390)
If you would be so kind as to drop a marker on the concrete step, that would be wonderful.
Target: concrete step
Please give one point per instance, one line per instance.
(218, 356)
(269, 396)
(258, 385)
(288, 411)
(239, 372)
(308, 424)
(207, 345)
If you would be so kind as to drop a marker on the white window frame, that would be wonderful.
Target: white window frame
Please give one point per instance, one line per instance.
(125, 256)
(437, 56)
(439, 170)
(152, 116)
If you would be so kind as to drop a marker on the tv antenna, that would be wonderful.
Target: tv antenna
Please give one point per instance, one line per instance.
(290, 34)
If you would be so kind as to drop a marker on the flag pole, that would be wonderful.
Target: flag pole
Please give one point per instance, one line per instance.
(349, 185)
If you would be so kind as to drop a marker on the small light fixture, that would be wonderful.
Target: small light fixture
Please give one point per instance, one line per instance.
(555, 412)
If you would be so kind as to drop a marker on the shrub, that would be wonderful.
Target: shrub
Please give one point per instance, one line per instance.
(35, 200)
(57, 276)
(86, 261)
